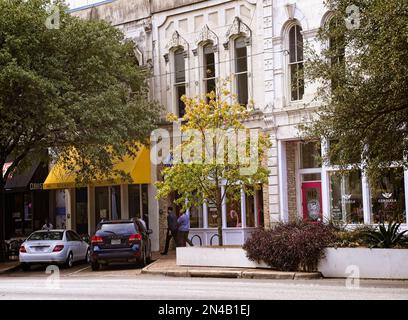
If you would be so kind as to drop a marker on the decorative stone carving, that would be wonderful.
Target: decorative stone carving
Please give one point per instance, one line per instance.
(290, 10)
(147, 25)
(238, 28)
(177, 41)
(206, 35)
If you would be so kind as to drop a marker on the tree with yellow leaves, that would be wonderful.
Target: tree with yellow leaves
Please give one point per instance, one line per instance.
(218, 155)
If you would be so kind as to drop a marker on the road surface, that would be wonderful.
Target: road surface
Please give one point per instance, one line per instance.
(126, 283)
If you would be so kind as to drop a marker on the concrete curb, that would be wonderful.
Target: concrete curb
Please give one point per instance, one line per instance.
(244, 274)
(11, 268)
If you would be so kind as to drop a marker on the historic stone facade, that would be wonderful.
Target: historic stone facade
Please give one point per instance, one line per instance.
(163, 30)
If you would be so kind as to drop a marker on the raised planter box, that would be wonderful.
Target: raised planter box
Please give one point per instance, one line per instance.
(365, 263)
(233, 257)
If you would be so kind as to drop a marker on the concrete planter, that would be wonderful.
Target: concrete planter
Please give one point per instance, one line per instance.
(365, 263)
(233, 257)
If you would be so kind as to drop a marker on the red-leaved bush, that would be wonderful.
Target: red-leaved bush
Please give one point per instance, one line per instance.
(295, 246)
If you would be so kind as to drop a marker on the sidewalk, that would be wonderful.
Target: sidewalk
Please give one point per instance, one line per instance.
(8, 266)
(166, 265)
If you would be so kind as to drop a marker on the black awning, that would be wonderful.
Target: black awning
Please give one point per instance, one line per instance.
(21, 180)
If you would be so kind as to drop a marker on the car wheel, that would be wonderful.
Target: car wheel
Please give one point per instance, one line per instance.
(88, 257)
(95, 266)
(25, 266)
(149, 257)
(142, 261)
(70, 260)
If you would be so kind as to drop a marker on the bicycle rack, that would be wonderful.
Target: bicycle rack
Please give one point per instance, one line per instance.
(215, 235)
(199, 238)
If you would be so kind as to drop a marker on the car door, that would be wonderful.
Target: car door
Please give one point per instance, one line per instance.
(73, 244)
(82, 246)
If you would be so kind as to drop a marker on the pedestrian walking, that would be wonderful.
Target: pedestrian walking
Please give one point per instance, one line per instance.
(183, 223)
(171, 229)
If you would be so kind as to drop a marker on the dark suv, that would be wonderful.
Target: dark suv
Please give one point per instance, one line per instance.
(121, 241)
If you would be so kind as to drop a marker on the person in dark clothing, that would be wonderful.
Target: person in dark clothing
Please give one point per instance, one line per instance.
(171, 229)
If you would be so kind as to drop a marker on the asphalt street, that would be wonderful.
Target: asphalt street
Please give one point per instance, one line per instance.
(123, 282)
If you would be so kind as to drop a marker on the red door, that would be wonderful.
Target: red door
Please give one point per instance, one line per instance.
(312, 201)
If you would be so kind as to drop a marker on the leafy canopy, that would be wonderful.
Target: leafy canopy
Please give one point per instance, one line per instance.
(77, 86)
(213, 153)
(364, 94)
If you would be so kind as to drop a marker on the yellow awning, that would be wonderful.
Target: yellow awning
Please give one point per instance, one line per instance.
(138, 168)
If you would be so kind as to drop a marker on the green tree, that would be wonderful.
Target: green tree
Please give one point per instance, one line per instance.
(213, 153)
(362, 74)
(67, 84)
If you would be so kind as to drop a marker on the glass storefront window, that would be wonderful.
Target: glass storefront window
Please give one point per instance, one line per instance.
(115, 203)
(346, 200)
(81, 200)
(212, 215)
(196, 217)
(388, 198)
(145, 204)
(234, 214)
(310, 155)
(311, 177)
(101, 203)
(134, 201)
(250, 207)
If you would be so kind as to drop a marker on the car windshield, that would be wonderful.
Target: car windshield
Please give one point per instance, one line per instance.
(118, 228)
(50, 235)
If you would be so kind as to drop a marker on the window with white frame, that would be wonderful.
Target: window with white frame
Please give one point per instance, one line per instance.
(297, 87)
(209, 68)
(179, 80)
(388, 197)
(346, 198)
(241, 70)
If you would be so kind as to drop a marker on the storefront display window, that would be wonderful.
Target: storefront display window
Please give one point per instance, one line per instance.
(196, 217)
(134, 201)
(388, 198)
(101, 203)
(234, 214)
(212, 214)
(81, 199)
(346, 201)
(115, 202)
(250, 207)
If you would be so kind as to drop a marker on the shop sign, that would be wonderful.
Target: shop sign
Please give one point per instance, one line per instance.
(36, 186)
(387, 198)
(346, 199)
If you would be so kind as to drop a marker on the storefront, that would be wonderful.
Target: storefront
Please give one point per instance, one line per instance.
(326, 193)
(239, 220)
(109, 197)
(27, 206)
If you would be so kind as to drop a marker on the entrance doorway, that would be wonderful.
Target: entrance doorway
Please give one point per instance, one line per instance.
(312, 201)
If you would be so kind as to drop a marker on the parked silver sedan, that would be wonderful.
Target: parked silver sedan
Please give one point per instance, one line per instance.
(53, 247)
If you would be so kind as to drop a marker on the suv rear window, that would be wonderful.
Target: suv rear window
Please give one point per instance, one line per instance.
(50, 235)
(118, 228)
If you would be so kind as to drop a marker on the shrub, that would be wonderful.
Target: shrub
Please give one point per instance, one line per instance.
(351, 238)
(290, 247)
(386, 237)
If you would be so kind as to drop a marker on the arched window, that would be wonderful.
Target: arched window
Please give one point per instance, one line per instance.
(297, 85)
(241, 70)
(209, 68)
(179, 80)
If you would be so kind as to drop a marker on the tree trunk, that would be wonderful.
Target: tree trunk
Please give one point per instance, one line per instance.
(219, 216)
(2, 224)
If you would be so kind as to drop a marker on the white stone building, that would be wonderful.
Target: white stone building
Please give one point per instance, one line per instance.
(259, 44)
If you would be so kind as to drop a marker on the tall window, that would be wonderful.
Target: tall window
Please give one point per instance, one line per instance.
(209, 68)
(337, 51)
(297, 87)
(180, 80)
(241, 70)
